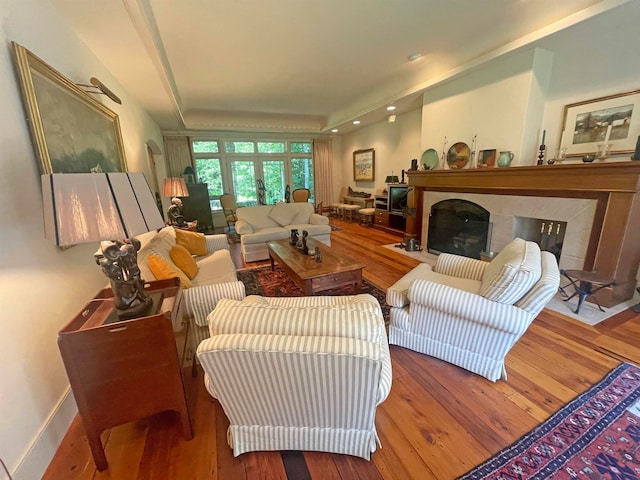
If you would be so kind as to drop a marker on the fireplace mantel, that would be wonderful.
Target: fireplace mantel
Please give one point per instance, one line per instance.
(614, 243)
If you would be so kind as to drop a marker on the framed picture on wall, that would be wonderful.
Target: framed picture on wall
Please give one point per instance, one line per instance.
(364, 165)
(71, 131)
(614, 120)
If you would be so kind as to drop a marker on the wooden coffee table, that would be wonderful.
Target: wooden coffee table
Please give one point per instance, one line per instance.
(311, 276)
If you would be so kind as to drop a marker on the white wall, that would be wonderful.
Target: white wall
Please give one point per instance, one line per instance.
(494, 103)
(592, 60)
(42, 287)
(395, 144)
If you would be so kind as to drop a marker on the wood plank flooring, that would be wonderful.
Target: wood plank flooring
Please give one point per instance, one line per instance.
(438, 422)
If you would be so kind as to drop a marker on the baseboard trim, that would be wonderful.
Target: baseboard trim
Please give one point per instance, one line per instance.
(38, 455)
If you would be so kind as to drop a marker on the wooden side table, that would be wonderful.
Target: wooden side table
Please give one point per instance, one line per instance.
(121, 371)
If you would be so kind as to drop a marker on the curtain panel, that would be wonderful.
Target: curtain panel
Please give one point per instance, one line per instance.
(177, 152)
(323, 160)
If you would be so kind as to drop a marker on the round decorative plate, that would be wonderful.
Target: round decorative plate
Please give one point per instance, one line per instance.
(430, 159)
(458, 155)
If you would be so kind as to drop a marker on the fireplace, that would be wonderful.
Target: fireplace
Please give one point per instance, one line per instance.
(607, 194)
(458, 226)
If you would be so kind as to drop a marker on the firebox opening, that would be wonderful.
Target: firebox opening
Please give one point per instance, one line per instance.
(460, 227)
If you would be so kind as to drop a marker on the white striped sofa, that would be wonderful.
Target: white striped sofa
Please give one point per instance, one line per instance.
(303, 373)
(468, 312)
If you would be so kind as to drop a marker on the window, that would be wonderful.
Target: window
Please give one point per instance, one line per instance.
(244, 182)
(241, 166)
(205, 147)
(302, 175)
(209, 171)
(271, 147)
(300, 147)
(239, 147)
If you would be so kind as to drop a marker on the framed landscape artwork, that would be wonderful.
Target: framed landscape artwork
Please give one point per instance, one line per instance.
(71, 131)
(364, 165)
(586, 124)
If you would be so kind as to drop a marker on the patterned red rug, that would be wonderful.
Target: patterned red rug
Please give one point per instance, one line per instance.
(594, 437)
(262, 281)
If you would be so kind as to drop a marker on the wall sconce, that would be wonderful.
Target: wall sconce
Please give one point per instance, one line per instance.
(101, 89)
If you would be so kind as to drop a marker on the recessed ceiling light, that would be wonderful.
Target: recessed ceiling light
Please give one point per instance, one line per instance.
(391, 108)
(414, 56)
(334, 130)
(356, 122)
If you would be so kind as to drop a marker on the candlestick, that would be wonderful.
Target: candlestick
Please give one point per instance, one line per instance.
(541, 155)
(606, 137)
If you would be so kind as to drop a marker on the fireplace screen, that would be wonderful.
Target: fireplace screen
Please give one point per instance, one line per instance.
(459, 227)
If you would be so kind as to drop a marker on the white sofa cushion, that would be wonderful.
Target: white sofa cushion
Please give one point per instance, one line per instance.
(216, 267)
(512, 272)
(282, 214)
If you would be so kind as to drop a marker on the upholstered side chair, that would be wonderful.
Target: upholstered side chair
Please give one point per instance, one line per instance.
(301, 195)
(471, 313)
(229, 208)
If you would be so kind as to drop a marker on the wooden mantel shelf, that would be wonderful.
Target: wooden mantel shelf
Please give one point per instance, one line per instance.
(614, 243)
(589, 177)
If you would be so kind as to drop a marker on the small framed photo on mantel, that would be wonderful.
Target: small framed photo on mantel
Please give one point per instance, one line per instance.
(364, 165)
(487, 158)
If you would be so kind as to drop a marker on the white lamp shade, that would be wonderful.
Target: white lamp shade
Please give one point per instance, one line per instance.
(87, 207)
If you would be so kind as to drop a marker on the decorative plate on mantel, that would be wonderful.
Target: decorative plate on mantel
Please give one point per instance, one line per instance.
(458, 155)
(430, 159)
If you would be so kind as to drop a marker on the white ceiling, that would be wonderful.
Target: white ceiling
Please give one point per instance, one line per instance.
(298, 65)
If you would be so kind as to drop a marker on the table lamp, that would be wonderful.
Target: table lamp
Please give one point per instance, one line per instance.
(105, 207)
(175, 187)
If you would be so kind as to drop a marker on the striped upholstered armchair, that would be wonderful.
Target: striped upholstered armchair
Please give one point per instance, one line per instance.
(303, 373)
(468, 312)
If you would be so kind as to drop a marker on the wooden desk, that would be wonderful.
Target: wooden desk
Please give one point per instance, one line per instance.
(311, 276)
(125, 370)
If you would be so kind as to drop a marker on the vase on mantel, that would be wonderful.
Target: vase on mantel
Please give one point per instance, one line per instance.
(505, 158)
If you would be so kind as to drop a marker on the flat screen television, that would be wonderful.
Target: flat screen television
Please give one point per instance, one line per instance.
(398, 198)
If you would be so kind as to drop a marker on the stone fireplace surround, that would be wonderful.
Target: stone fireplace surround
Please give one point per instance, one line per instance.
(599, 202)
(579, 214)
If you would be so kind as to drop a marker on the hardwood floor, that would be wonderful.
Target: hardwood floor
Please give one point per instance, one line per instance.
(438, 422)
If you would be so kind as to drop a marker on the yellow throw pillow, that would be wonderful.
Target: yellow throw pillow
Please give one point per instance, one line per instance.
(194, 242)
(162, 269)
(184, 261)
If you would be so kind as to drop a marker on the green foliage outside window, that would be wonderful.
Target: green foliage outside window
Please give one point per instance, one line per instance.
(205, 147)
(244, 183)
(300, 147)
(273, 181)
(239, 147)
(271, 147)
(209, 172)
(302, 175)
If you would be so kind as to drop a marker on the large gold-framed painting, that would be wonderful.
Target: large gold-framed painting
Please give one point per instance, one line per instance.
(71, 131)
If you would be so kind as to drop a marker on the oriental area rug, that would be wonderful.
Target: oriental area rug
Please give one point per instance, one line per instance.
(262, 281)
(594, 437)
